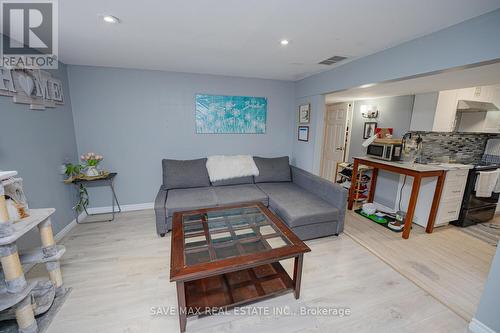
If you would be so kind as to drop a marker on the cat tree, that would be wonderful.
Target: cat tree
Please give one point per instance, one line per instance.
(20, 298)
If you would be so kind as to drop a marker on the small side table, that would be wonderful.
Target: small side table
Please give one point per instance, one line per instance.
(108, 181)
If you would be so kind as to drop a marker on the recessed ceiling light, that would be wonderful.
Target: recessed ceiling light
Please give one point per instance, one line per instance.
(284, 42)
(110, 19)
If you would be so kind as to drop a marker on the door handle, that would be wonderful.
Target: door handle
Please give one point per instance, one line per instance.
(339, 148)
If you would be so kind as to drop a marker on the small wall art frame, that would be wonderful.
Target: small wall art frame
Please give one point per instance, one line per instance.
(303, 133)
(369, 129)
(304, 114)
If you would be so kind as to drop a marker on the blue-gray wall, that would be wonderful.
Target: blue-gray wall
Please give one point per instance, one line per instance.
(489, 305)
(137, 117)
(36, 143)
(307, 155)
(394, 112)
(469, 42)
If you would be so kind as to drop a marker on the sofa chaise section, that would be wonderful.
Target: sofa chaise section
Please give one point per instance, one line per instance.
(332, 193)
(301, 210)
(310, 205)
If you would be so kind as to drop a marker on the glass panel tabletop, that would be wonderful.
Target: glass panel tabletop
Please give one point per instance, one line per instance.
(225, 233)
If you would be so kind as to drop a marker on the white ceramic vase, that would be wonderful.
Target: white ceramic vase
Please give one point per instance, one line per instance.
(91, 171)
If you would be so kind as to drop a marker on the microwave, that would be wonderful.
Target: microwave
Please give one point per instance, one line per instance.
(385, 151)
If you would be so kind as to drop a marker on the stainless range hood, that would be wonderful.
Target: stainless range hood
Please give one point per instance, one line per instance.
(474, 106)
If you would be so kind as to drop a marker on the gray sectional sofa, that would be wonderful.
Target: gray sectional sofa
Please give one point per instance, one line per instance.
(311, 206)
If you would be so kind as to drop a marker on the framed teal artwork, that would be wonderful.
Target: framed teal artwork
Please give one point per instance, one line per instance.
(218, 114)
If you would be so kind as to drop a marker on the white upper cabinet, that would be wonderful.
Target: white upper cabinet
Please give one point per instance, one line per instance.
(495, 95)
(438, 111)
(446, 110)
(479, 94)
(424, 109)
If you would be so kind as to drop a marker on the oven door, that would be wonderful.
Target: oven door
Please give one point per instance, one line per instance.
(477, 202)
(479, 215)
(376, 150)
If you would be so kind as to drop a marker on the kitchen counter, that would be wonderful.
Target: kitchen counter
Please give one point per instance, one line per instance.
(418, 167)
(415, 170)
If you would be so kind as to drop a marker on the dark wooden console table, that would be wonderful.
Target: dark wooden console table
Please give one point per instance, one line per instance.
(228, 256)
(417, 172)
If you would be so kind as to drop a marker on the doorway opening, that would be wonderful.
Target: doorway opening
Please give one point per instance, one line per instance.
(336, 138)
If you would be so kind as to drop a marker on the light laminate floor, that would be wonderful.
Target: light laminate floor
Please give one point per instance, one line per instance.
(449, 264)
(119, 271)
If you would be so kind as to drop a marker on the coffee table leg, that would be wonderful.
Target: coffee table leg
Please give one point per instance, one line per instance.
(297, 275)
(181, 300)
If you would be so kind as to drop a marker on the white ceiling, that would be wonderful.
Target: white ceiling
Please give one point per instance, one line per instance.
(241, 38)
(472, 77)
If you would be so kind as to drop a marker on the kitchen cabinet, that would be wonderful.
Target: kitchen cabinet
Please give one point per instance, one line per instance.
(424, 109)
(451, 197)
(434, 111)
(446, 110)
(479, 94)
(437, 111)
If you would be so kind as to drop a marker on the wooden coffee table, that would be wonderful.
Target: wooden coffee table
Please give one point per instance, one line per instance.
(228, 256)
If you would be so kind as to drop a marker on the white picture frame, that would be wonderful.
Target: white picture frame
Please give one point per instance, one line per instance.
(304, 114)
(303, 133)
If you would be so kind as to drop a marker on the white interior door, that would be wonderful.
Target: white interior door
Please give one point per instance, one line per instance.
(334, 138)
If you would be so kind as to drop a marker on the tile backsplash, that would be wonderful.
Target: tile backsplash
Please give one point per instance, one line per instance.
(460, 147)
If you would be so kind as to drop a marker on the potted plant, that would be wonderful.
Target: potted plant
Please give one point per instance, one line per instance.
(90, 163)
(73, 171)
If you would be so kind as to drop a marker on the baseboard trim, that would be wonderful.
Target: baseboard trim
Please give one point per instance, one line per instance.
(64, 231)
(125, 208)
(476, 326)
(100, 210)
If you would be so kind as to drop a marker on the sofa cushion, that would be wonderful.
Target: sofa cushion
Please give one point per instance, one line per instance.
(234, 181)
(190, 198)
(236, 194)
(297, 206)
(185, 174)
(272, 169)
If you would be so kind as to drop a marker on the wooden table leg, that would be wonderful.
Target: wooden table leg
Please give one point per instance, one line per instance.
(373, 184)
(411, 206)
(181, 300)
(297, 275)
(352, 189)
(435, 203)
